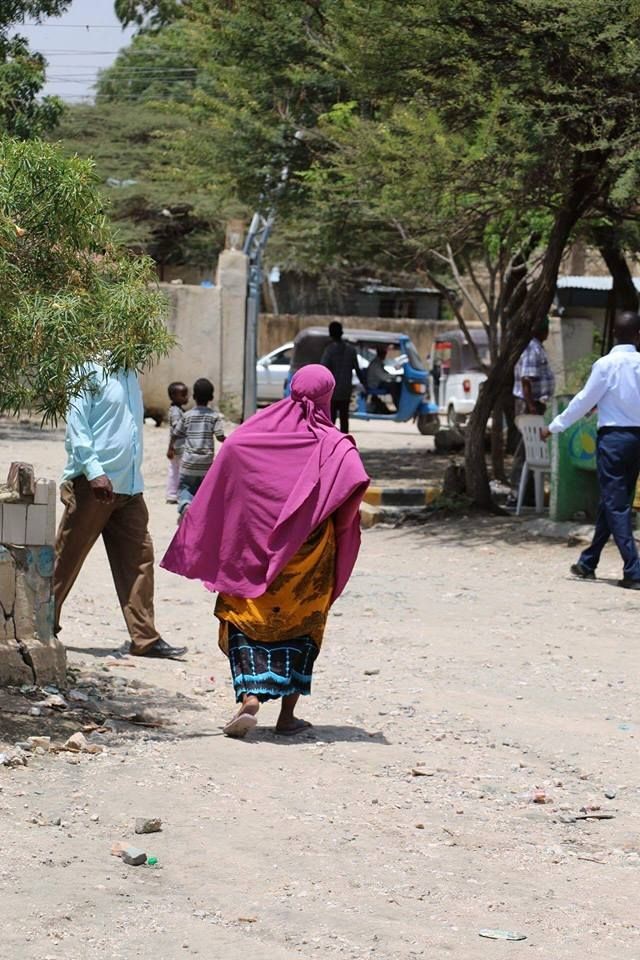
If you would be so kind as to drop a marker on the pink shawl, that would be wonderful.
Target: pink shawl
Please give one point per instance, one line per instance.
(275, 479)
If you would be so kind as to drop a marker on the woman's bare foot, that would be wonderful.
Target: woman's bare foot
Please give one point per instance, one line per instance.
(244, 720)
(288, 724)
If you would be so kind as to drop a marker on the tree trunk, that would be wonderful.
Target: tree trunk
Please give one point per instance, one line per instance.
(535, 306)
(514, 296)
(497, 442)
(624, 293)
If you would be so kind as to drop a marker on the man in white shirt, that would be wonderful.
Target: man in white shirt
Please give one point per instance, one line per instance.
(614, 387)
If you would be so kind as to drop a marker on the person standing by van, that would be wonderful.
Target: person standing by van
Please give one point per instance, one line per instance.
(341, 359)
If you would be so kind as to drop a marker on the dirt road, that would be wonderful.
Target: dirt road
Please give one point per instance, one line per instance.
(463, 671)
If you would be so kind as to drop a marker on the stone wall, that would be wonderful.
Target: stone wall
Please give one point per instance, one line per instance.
(209, 326)
(29, 651)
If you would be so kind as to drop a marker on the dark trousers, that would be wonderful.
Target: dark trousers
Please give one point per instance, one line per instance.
(123, 525)
(618, 464)
(340, 408)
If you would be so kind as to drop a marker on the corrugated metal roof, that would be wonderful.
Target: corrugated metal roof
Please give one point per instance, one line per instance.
(372, 286)
(590, 283)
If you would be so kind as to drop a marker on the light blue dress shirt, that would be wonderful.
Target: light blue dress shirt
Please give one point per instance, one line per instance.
(613, 387)
(104, 431)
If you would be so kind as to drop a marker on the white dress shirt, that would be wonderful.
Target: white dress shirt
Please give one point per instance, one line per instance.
(614, 387)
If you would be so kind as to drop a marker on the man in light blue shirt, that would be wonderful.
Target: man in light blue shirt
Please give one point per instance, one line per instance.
(614, 388)
(102, 495)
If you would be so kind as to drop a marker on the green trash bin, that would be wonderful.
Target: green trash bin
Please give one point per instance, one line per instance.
(574, 482)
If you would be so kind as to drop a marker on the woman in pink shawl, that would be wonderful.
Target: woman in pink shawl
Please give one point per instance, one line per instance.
(275, 529)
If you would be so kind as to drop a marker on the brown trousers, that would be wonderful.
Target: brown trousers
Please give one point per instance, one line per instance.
(125, 533)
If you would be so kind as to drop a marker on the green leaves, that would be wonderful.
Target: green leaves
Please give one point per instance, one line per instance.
(22, 114)
(67, 294)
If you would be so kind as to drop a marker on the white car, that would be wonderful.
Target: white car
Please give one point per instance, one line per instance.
(271, 373)
(456, 375)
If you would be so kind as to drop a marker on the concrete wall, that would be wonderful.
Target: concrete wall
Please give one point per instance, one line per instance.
(273, 330)
(195, 320)
(208, 324)
(571, 338)
(232, 279)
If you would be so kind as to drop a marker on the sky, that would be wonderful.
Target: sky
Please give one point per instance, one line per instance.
(77, 45)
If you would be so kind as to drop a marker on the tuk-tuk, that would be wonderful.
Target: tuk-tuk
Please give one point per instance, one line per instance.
(456, 374)
(402, 362)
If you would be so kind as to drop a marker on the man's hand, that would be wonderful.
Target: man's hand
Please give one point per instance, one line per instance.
(102, 489)
(545, 433)
(170, 453)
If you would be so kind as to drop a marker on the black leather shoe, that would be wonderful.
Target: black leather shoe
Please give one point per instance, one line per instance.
(629, 584)
(582, 572)
(160, 650)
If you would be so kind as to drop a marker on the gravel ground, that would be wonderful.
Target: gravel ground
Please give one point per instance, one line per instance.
(470, 700)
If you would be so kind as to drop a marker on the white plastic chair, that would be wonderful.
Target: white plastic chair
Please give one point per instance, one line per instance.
(537, 459)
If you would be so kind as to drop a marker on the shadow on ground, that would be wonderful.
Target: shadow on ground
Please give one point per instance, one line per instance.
(321, 733)
(469, 527)
(22, 431)
(115, 706)
(404, 465)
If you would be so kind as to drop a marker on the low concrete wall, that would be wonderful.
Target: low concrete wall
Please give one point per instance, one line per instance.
(274, 330)
(29, 651)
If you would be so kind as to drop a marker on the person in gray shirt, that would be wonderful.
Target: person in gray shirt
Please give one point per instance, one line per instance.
(341, 359)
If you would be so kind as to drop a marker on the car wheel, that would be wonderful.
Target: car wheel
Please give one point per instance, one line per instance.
(427, 424)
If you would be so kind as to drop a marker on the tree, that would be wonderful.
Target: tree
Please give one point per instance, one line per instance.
(533, 103)
(68, 295)
(157, 66)
(22, 72)
(260, 79)
(149, 13)
(145, 157)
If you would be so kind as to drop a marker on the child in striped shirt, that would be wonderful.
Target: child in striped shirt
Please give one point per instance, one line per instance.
(197, 431)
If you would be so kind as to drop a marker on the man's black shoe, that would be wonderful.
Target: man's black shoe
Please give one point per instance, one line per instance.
(582, 572)
(160, 650)
(629, 584)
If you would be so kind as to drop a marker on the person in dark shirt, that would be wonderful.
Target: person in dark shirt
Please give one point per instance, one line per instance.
(341, 359)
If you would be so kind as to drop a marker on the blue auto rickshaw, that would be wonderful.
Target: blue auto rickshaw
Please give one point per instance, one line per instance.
(402, 363)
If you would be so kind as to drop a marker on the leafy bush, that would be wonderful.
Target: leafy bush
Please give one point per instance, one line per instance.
(68, 294)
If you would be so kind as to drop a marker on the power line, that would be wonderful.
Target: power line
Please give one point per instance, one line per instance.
(129, 72)
(74, 26)
(117, 98)
(84, 80)
(103, 53)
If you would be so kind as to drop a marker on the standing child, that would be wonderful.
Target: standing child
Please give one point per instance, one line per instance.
(179, 395)
(197, 430)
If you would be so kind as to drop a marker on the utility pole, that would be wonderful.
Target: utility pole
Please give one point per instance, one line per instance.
(254, 246)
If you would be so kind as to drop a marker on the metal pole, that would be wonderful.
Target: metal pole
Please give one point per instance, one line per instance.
(254, 245)
(256, 241)
(251, 340)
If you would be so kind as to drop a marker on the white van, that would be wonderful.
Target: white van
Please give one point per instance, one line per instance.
(456, 374)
